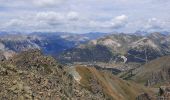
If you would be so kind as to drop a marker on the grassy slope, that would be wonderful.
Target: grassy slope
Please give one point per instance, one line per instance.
(153, 66)
(116, 88)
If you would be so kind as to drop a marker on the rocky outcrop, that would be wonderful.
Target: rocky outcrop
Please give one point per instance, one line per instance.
(143, 96)
(154, 73)
(164, 93)
(30, 75)
(159, 77)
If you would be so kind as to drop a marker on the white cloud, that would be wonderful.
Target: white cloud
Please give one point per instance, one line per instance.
(119, 21)
(56, 18)
(31, 3)
(73, 15)
(14, 23)
(154, 24)
(85, 15)
(115, 23)
(49, 16)
(48, 20)
(55, 21)
(121, 18)
(46, 3)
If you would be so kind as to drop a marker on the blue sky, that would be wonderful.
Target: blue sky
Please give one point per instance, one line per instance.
(82, 16)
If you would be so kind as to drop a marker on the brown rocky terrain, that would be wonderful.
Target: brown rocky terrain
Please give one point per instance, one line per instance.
(32, 76)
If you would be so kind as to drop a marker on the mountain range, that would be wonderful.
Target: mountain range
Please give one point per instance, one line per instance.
(92, 66)
(130, 47)
(49, 43)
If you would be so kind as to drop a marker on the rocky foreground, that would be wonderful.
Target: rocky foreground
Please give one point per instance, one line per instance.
(32, 76)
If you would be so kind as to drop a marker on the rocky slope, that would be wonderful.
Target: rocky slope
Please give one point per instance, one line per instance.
(30, 75)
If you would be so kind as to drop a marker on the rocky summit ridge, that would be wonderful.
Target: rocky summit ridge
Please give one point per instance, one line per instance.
(31, 76)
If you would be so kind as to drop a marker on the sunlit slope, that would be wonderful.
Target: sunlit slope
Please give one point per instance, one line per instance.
(117, 89)
(154, 72)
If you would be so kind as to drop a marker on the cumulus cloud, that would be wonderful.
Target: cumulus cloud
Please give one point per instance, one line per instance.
(119, 21)
(49, 17)
(154, 24)
(14, 22)
(83, 15)
(45, 3)
(115, 23)
(58, 20)
(73, 16)
(18, 24)
(48, 20)
(31, 3)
